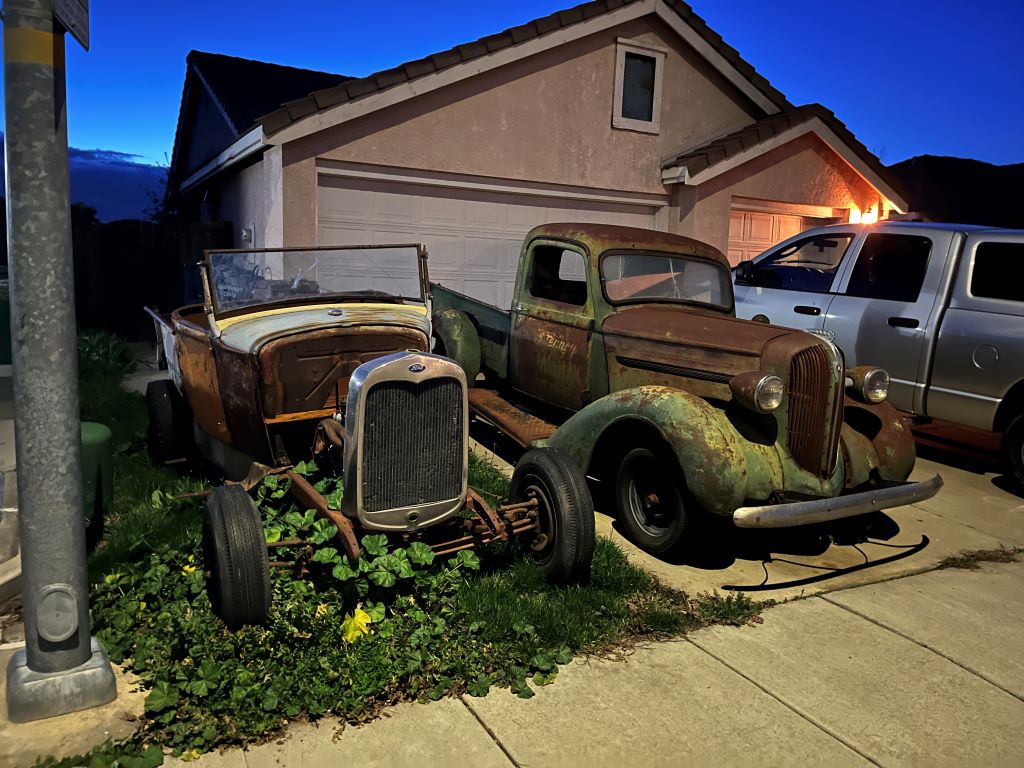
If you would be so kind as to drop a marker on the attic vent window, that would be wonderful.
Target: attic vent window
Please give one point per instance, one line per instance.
(638, 74)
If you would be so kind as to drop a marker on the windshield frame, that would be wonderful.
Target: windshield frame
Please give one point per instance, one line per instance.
(726, 273)
(324, 298)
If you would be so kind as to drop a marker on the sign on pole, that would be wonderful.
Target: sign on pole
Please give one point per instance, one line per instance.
(73, 15)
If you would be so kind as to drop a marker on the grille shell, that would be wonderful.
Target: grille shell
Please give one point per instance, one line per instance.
(412, 443)
(406, 450)
(812, 433)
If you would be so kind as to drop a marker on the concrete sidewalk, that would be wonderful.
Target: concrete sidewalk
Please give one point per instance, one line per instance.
(922, 670)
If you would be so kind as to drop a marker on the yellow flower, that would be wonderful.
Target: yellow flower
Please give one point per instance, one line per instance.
(355, 625)
(321, 611)
(188, 569)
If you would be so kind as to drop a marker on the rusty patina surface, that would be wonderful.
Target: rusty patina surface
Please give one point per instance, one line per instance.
(666, 368)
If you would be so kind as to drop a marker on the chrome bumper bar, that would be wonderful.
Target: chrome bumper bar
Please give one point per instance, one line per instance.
(795, 513)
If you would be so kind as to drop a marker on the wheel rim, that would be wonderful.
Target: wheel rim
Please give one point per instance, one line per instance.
(533, 488)
(646, 498)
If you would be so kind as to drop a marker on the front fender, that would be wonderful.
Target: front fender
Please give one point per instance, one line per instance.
(708, 449)
(461, 340)
(875, 438)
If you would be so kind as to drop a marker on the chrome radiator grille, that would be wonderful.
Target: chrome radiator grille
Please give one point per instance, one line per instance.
(412, 443)
(814, 401)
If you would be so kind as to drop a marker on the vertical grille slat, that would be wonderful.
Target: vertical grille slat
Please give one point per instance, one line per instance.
(412, 443)
(812, 423)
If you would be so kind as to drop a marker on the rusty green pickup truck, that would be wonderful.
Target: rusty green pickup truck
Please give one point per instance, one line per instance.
(622, 349)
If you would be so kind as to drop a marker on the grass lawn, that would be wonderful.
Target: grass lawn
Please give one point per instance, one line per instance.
(346, 640)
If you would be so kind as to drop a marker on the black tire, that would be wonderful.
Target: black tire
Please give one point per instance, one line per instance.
(170, 422)
(565, 549)
(1013, 448)
(235, 554)
(650, 501)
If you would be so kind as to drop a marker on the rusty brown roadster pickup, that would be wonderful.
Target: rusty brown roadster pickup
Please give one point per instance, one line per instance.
(322, 353)
(626, 339)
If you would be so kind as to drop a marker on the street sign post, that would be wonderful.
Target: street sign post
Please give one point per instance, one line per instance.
(62, 668)
(73, 15)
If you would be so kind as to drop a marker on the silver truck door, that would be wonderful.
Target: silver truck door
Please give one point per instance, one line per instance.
(979, 354)
(887, 306)
(791, 284)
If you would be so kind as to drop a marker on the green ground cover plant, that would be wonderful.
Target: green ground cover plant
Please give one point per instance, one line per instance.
(345, 639)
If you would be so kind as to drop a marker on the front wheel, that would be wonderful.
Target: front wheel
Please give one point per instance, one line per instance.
(564, 548)
(650, 502)
(235, 554)
(1013, 447)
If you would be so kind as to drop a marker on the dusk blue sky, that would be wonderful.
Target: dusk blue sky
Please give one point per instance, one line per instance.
(908, 77)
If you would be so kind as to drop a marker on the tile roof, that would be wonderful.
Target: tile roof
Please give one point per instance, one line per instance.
(248, 89)
(707, 155)
(325, 98)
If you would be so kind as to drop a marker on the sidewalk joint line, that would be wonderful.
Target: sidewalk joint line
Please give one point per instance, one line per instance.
(922, 644)
(492, 734)
(791, 707)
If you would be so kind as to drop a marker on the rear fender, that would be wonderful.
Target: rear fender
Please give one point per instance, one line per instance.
(709, 451)
(461, 340)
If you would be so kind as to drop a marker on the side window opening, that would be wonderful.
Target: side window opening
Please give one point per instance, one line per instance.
(559, 275)
(890, 267)
(998, 271)
(807, 265)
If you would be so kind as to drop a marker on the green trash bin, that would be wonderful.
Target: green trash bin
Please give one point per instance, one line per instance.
(5, 317)
(97, 479)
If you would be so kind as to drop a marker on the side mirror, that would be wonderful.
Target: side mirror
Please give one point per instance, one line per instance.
(746, 273)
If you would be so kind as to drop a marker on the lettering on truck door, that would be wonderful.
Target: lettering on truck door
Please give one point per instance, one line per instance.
(552, 326)
(883, 313)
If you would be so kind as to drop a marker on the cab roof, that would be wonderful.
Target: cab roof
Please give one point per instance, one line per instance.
(598, 238)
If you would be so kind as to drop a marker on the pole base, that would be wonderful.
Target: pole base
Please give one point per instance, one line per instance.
(38, 695)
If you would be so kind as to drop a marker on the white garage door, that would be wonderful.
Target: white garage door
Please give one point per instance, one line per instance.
(473, 238)
(752, 232)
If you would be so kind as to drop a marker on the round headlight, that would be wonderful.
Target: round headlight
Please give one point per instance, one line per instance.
(875, 385)
(768, 393)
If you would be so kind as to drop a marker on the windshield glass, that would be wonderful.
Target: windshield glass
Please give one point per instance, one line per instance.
(250, 278)
(637, 276)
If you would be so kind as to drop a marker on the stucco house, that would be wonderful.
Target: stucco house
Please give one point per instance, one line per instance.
(621, 111)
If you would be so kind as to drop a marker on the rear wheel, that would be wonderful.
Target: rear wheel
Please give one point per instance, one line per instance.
(170, 422)
(235, 554)
(650, 501)
(1013, 447)
(564, 549)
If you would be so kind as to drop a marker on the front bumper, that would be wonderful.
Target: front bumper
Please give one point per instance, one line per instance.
(795, 513)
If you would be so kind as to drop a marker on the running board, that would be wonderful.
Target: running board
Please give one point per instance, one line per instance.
(519, 426)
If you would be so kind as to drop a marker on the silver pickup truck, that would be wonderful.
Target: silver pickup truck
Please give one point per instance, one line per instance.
(939, 306)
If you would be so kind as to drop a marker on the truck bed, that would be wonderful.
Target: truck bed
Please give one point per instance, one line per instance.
(492, 324)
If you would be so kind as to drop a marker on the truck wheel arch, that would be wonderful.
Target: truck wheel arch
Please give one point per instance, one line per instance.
(711, 459)
(460, 340)
(1010, 408)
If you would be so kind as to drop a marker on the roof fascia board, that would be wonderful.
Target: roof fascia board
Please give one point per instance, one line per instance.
(719, 62)
(680, 175)
(486, 184)
(396, 94)
(241, 149)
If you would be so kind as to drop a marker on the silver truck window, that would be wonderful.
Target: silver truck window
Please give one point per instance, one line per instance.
(890, 267)
(558, 275)
(807, 265)
(998, 271)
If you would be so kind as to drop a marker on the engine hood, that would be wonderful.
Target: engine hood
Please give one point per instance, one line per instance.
(685, 327)
(248, 333)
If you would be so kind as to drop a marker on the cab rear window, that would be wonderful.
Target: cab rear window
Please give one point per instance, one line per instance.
(998, 271)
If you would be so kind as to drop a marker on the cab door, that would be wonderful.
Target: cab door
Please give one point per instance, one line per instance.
(886, 307)
(552, 326)
(791, 285)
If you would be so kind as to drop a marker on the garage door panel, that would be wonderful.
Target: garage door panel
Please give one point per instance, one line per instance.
(473, 237)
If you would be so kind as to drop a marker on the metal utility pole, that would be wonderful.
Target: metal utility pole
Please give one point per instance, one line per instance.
(62, 668)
